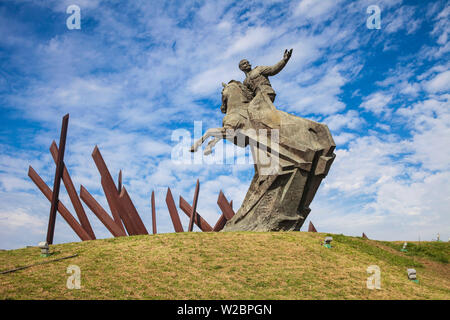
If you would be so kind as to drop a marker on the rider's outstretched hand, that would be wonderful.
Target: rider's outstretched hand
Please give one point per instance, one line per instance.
(287, 55)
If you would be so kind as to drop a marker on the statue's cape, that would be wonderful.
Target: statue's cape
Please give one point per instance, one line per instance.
(299, 138)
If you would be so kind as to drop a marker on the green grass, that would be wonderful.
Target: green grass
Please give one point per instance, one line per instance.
(376, 251)
(437, 251)
(229, 265)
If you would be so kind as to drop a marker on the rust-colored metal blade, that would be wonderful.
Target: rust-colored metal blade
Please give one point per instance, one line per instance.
(173, 212)
(220, 223)
(199, 221)
(101, 213)
(57, 181)
(73, 223)
(73, 195)
(110, 190)
(222, 220)
(153, 213)
(128, 205)
(194, 207)
(124, 216)
(311, 227)
(119, 184)
(101, 166)
(127, 219)
(114, 205)
(225, 206)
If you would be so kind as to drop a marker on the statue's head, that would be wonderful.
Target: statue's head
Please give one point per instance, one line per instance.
(244, 65)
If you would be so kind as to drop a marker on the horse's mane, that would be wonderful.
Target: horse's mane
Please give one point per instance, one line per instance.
(247, 93)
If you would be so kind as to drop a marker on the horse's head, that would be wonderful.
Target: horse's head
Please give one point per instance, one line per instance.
(234, 92)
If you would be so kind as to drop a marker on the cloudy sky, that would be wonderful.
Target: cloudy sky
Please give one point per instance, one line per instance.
(138, 72)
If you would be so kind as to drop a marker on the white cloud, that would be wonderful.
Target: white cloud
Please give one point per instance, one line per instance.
(210, 80)
(442, 26)
(19, 219)
(377, 102)
(367, 160)
(343, 138)
(440, 83)
(402, 18)
(311, 9)
(350, 120)
(430, 121)
(420, 199)
(383, 126)
(253, 38)
(366, 191)
(392, 189)
(320, 97)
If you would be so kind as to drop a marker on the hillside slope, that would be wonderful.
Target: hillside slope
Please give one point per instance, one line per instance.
(228, 265)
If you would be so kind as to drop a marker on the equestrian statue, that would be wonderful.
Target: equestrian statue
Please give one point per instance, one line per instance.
(291, 154)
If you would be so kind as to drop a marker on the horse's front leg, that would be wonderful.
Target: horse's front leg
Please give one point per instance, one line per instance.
(211, 144)
(216, 132)
(226, 134)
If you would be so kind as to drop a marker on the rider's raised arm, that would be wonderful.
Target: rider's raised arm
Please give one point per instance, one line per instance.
(273, 70)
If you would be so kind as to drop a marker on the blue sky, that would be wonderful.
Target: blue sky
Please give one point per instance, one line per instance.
(136, 71)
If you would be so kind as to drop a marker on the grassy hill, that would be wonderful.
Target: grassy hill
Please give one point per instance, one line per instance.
(242, 265)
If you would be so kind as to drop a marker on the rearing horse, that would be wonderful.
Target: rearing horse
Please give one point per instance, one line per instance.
(235, 100)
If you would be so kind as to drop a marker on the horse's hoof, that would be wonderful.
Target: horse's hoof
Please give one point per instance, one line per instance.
(192, 149)
(207, 151)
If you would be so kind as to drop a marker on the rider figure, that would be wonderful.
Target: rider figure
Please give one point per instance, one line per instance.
(257, 79)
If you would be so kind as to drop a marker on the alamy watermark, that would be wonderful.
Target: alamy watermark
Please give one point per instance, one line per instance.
(74, 280)
(374, 281)
(74, 20)
(374, 20)
(263, 147)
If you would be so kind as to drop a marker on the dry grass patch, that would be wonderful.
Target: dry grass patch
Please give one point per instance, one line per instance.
(225, 265)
